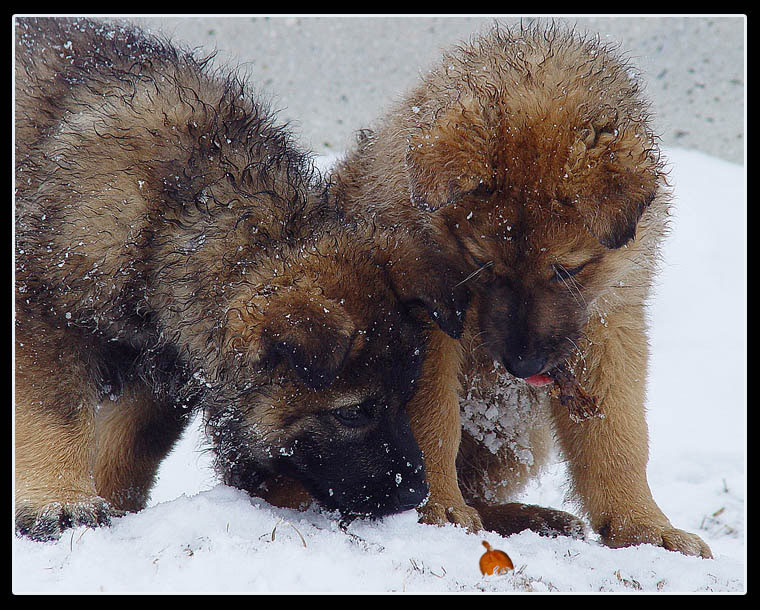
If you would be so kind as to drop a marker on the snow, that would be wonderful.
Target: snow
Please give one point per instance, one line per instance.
(199, 536)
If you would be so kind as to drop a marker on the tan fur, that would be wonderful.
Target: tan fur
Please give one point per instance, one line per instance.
(527, 157)
(124, 468)
(438, 385)
(53, 456)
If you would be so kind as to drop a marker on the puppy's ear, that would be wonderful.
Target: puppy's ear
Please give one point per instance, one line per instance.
(614, 175)
(432, 281)
(309, 332)
(613, 215)
(450, 159)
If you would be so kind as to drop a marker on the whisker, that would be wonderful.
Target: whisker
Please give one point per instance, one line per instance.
(472, 340)
(578, 350)
(474, 273)
(485, 343)
(574, 285)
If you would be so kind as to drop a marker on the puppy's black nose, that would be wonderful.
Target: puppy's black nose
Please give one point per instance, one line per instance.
(523, 367)
(408, 497)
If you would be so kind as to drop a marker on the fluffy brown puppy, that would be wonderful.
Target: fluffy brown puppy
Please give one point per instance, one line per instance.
(174, 253)
(527, 156)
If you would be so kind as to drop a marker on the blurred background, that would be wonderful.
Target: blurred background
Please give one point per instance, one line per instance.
(332, 75)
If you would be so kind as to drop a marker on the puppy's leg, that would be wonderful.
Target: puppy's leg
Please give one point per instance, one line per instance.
(435, 422)
(133, 435)
(608, 456)
(54, 436)
(488, 480)
(515, 517)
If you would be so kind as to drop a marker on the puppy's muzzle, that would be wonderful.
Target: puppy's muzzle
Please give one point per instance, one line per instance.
(524, 366)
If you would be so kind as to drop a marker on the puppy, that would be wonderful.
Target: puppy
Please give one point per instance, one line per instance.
(527, 156)
(175, 252)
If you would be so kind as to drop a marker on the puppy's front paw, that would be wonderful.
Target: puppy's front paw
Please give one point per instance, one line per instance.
(684, 542)
(49, 522)
(665, 536)
(436, 513)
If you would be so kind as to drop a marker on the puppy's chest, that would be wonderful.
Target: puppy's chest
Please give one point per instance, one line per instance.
(497, 408)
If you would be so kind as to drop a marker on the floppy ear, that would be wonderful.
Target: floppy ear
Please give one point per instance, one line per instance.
(311, 333)
(616, 176)
(450, 159)
(431, 280)
(613, 215)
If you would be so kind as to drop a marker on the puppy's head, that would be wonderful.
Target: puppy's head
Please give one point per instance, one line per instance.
(321, 362)
(534, 155)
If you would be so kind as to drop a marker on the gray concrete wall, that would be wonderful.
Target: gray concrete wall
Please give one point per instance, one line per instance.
(333, 75)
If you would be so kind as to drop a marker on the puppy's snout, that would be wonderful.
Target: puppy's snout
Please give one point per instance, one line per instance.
(410, 495)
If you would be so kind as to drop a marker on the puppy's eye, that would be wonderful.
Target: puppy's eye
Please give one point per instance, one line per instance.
(354, 416)
(562, 273)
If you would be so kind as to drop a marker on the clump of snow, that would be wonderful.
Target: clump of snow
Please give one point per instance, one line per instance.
(198, 535)
(505, 416)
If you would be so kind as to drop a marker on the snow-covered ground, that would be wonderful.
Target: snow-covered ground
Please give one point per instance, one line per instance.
(200, 536)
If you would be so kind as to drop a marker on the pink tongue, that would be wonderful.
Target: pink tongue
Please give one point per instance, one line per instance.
(538, 380)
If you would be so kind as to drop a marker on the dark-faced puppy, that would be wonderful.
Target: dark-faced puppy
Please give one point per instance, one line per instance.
(528, 157)
(337, 357)
(174, 253)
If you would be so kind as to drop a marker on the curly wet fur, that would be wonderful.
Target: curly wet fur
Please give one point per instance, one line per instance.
(176, 252)
(528, 157)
